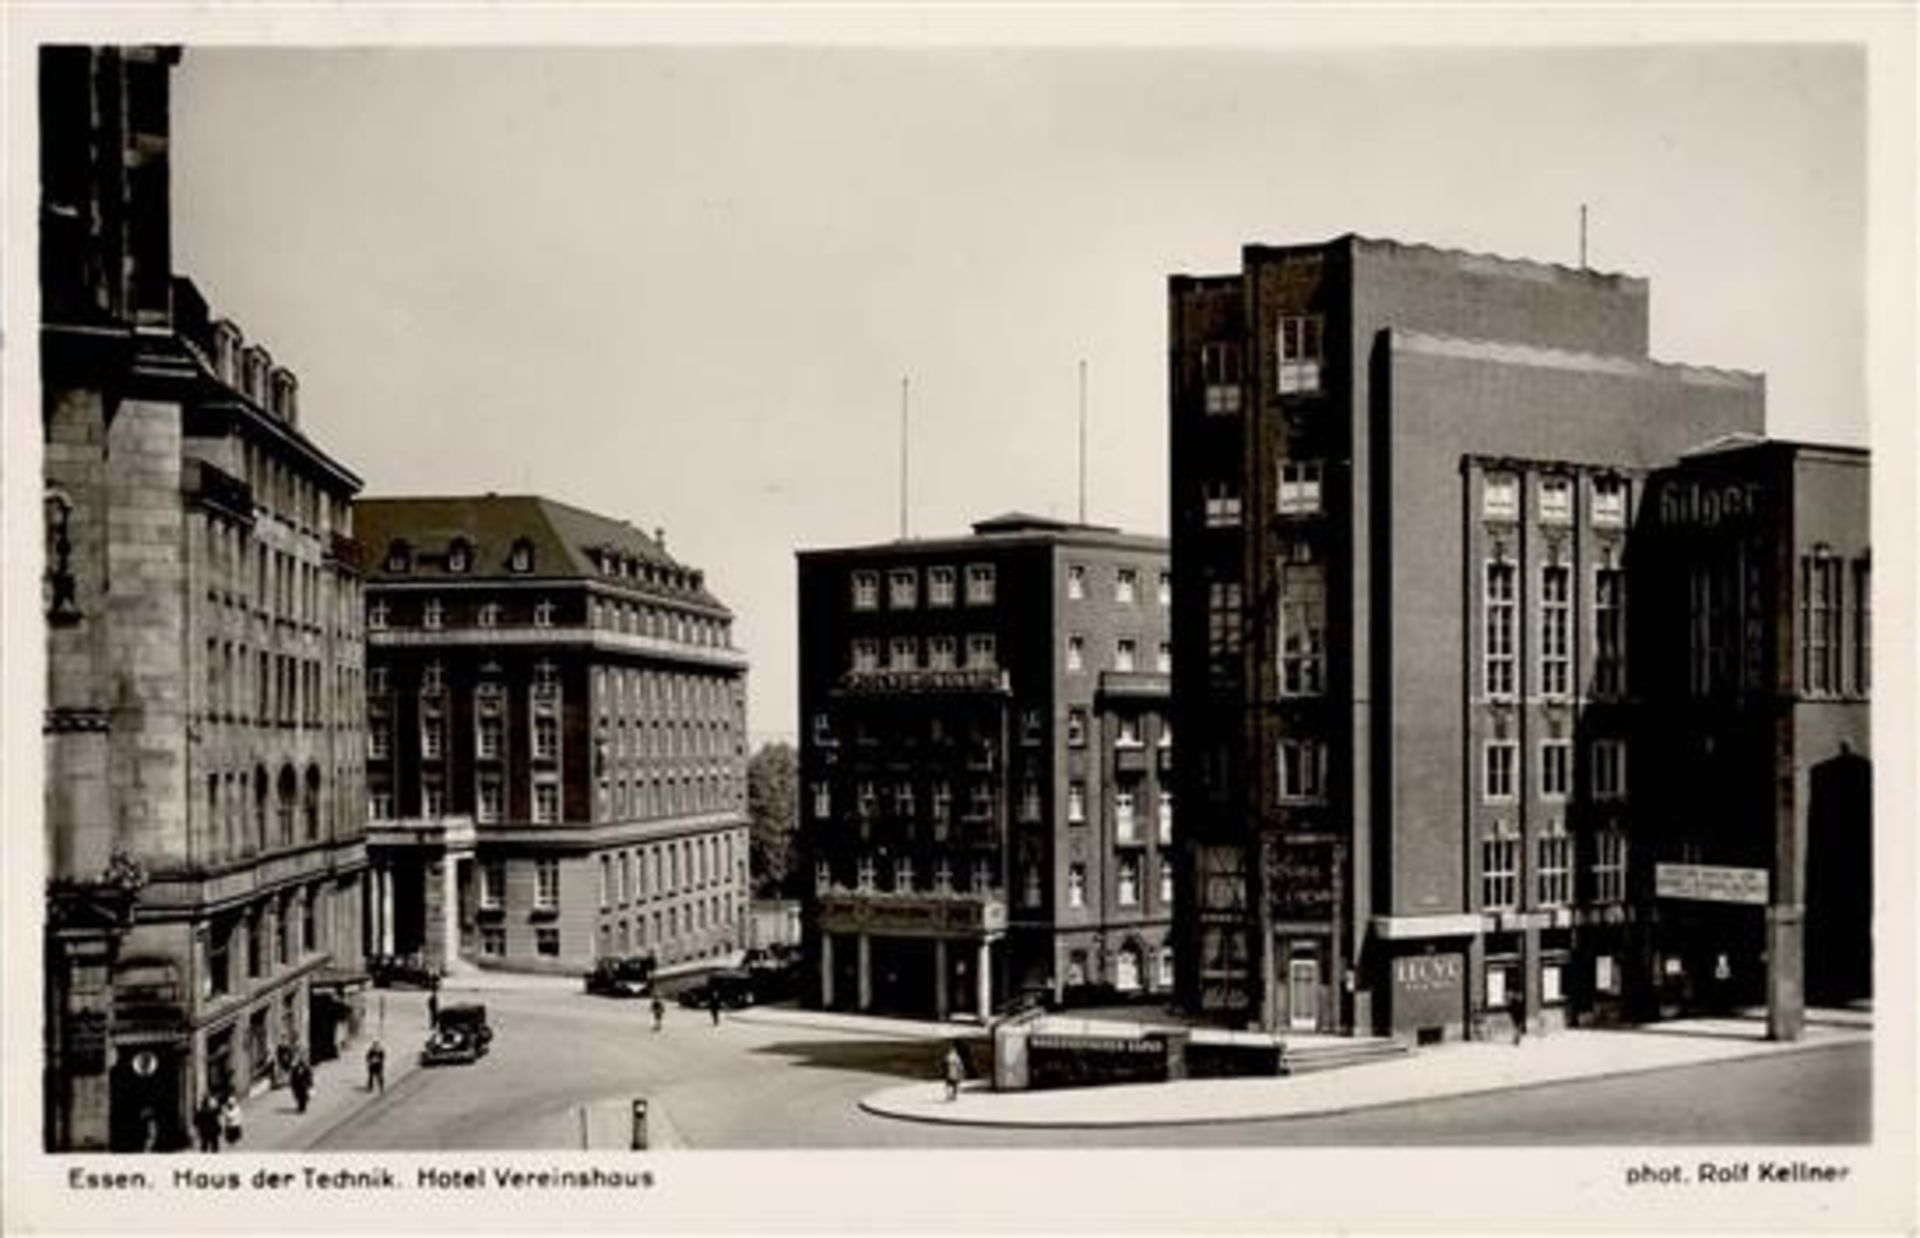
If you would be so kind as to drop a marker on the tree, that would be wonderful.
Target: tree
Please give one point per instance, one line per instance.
(773, 811)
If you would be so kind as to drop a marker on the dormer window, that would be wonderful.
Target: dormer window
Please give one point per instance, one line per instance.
(459, 557)
(399, 557)
(520, 558)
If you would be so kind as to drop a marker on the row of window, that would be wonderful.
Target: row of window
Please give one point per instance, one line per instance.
(1554, 499)
(1553, 869)
(903, 878)
(276, 584)
(903, 654)
(1126, 731)
(1606, 769)
(250, 944)
(247, 815)
(1126, 585)
(669, 927)
(282, 490)
(433, 614)
(706, 790)
(1298, 494)
(458, 557)
(255, 686)
(1298, 352)
(663, 870)
(903, 587)
(1500, 609)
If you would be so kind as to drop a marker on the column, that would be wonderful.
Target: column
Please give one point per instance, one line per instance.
(826, 971)
(449, 909)
(865, 957)
(983, 980)
(940, 978)
(386, 910)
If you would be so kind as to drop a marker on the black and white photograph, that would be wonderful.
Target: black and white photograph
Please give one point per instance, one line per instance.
(952, 601)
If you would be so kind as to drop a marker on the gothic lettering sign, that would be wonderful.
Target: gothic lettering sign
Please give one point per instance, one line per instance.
(1705, 506)
(1301, 878)
(1710, 883)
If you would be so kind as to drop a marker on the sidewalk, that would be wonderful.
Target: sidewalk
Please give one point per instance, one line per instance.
(1460, 1069)
(856, 1024)
(274, 1124)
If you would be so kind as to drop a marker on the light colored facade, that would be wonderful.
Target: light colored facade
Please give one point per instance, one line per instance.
(556, 740)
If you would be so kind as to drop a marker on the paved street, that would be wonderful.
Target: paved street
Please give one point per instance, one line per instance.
(770, 1079)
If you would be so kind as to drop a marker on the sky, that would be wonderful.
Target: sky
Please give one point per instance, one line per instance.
(681, 286)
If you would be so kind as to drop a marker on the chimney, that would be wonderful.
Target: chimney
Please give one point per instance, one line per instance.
(660, 536)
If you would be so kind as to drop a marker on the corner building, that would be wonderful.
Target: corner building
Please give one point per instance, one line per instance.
(1404, 486)
(1756, 652)
(556, 740)
(204, 803)
(984, 768)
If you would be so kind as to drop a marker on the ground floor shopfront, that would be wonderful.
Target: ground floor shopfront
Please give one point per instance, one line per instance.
(926, 955)
(213, 985)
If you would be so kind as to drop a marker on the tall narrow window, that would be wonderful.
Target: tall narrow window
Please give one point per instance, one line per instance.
(1556, 768)
(981, 654)
(1303, 621)
(1303, 769)
(1556, 867)
(1499, 872)
(1609, 776)
(1076, 653)
(1124, 655)
(1220, 376)
(1125, 586)
(1609, 866)
(546, 884)
(1498, 656)
(1820, 624)
(1223, 617)
(1862, 627)
(1497, 764)
(1076, 582)
(1556, 637)
(903, 588)
(980, 584)
(939, 586)
(1610, 631)
(866, 590)
(1299, 354)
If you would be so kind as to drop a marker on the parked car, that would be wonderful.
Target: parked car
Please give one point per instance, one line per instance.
(460, 1034)
(628, 977)
(401, 971)
(734, 988)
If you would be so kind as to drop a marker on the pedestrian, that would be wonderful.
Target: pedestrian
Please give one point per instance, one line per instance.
(206, 1123)
(956, 1071)
(282, 1063)
(659, 1011)
(433, 1006)
(713, 1003)
(302, 1080)
(230, 1118)
(1518, 1013)
(376, 1067)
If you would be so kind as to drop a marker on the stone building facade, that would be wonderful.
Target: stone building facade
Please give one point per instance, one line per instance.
(984, 765)
(556, 740)
(204, 799)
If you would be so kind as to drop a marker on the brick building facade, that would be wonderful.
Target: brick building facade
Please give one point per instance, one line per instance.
(556, 740)
(1405, 484)
(204, 803)
(985, 805)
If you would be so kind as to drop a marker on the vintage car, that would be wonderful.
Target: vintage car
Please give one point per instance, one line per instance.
(734, 989)
(628, 977)
(460, 1034)
(401, 971)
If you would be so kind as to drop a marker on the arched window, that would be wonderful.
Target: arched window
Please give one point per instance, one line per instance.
(289, 790)
(259, 808)
(310, 803)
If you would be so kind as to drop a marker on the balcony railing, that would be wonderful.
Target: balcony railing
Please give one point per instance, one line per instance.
(213, 487)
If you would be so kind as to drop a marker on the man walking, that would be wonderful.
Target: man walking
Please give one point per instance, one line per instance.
(376, 1067)
(955, 1072)
(302, 1081)
(659, 1011)
(206, 1123)
(713, 1002)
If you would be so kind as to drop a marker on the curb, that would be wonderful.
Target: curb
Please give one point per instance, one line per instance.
(1337, 1110)
(401, 1086)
